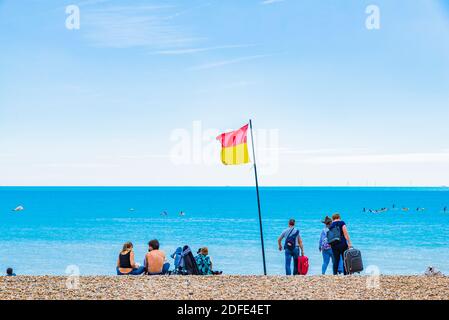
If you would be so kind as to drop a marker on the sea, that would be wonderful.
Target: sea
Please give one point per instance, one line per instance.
(67, 230)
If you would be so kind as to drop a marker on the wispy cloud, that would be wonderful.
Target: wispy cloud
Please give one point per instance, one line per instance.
(91, 2)
(199, 50)
(393, 158)
(77, 165)
(135, 26)
(239, 84)
(222, 63)
(271, 1)
(183, 12)
(324, 151)
(229, 86)
(6, 155)
(145, 156)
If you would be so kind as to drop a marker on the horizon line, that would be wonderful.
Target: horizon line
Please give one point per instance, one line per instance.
(215, 186)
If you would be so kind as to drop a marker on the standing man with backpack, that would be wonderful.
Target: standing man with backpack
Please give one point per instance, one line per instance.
(293, 243)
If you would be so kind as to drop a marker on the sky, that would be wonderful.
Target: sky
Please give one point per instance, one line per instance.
(137, 94)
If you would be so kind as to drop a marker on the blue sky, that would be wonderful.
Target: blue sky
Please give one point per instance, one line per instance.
(101, 105)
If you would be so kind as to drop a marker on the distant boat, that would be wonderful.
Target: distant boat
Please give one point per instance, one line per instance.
(18, 208)
(182, 214)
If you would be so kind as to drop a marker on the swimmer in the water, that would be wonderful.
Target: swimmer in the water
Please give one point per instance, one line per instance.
(19, 208)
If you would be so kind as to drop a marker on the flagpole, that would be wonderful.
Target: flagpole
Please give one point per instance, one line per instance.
(258, 199)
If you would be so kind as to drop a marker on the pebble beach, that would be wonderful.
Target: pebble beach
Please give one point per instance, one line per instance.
(224, 287)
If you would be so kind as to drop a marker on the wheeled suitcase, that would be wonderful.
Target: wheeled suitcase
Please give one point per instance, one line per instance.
(353, 261)
(303, 265)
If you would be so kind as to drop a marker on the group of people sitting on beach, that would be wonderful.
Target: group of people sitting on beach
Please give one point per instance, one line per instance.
(185, 263)
(155, 262)
(330, 252)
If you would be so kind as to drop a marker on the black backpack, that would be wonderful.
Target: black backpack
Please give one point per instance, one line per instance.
(188, 264)
(290, 241)
(334, 235)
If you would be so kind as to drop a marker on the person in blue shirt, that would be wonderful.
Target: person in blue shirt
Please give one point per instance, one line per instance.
(291, 233)
(10, 272)
(326, 249)
(339, 247)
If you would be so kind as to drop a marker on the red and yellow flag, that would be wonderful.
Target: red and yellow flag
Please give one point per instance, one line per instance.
(234, 147)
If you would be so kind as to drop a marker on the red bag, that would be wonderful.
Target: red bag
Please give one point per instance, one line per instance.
(303, 265)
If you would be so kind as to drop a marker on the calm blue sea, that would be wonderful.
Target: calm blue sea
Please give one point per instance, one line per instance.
(86, 227)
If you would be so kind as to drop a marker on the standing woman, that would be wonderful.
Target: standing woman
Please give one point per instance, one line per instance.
(324, 247)
(126, 264)
(339, 247)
